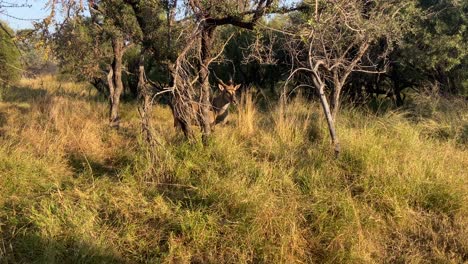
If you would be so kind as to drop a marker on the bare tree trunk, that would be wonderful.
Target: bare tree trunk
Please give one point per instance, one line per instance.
(320, 86)
(335, 104)
(169, 41)
(328, 116)
(110, 83)
(316, 10)
(117, 46)
(170, 8)
(206, 42)
(144, 108)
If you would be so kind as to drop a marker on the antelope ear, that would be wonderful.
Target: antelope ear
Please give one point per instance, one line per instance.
(221, 87)
(237, 87)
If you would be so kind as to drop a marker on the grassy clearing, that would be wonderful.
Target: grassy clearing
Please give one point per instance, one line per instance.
(267, 189)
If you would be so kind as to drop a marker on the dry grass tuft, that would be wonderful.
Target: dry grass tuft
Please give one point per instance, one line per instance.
(247, 114)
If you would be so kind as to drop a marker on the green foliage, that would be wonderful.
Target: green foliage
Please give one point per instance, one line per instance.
(83, 45)
(36, 56)
(436, 48)
(82, 50)
(10, 63)
(118, 19)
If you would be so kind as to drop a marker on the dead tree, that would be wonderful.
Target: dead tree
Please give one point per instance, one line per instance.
(145, 103)
(145, 88)
(184, 79)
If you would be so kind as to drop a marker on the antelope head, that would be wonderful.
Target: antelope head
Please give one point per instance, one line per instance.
(228, 91)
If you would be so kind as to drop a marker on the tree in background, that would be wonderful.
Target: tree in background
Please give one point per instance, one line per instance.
(118, 22)
(334, 47)
(36, 57)
(83, 52)
(112, 22)
(336, 40)
(146, 14)
(432, 54)
(435, 50)
(256, 58)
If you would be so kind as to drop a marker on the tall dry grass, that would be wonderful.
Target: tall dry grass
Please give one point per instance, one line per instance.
(247, 116)
(267, 190)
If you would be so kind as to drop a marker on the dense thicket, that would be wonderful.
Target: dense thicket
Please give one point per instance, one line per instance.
(435, 51)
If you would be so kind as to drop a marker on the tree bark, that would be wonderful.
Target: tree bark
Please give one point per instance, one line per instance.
(170, 8)
(117, 46)
(335, 104)
(144, 107)
(320, 86)
(328, 115)
(110, 83)
(206, 43)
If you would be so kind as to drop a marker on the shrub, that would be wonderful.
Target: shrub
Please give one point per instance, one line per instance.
(10, 65)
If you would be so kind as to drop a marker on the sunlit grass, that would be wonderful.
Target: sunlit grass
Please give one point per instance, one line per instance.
(266, 190)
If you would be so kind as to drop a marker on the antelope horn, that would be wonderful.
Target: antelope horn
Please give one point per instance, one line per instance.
(218, 79)
(233, 68)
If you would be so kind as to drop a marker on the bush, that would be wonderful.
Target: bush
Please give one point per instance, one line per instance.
(10, 65)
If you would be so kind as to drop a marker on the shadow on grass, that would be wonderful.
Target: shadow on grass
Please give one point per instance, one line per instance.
(111, 167)
(84, 95)
(5, 112)
(23, 94)
(26, 94)
(24, 242)
(32, 248)
(82, 165)
(3, 119)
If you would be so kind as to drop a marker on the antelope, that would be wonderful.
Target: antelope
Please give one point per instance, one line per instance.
(220, 104)
(218, 107)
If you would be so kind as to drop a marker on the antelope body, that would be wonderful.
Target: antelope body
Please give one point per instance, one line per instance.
(218, 107)
(220, 104)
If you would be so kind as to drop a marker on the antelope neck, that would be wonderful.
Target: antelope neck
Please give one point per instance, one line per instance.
(220, 103)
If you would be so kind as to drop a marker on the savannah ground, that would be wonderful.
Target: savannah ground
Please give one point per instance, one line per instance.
(266, 190)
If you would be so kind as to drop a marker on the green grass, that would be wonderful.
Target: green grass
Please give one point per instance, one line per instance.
(266, 190)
